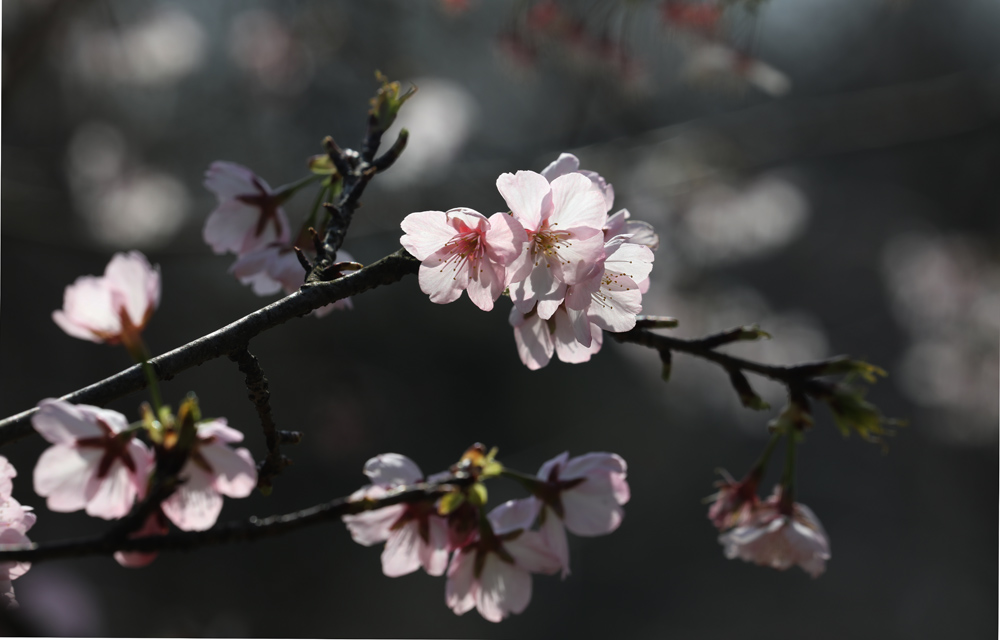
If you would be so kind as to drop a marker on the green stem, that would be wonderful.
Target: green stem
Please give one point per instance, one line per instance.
(788, 478)
(761, 464)
(311, 220)
(141, 354)
(528, 482)
(284, 192)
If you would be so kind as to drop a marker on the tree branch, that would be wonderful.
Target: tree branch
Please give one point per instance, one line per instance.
(248, 530)
(228, 339)
(798, 378)
(273, 438)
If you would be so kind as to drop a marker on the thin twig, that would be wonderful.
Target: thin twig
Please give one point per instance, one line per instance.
(257, 391)
(247, 530)
(798, 378)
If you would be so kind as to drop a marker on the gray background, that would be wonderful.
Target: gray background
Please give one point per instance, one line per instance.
(856, 214)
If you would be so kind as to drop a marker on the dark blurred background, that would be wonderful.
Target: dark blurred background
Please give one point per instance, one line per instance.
(826, 169)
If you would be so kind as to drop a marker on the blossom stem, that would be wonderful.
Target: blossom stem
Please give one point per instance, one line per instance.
(761, 464)
(531, 483)
(311, 220)
(788, 478)
(137, 348)
(285, 192)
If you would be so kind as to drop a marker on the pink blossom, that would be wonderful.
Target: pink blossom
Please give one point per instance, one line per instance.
(568, 163)
(114, 308)
(778, 539)
(735, 502)
(611, 296)
(564, 222)
(460, 249)
(94, 462)
(584, 494)
(414, 535)
(569, 334)
(636, 232)
(275, 267)
(212, 470)
(249, 215)
(493, 573)
(15, 520)
(155, 525)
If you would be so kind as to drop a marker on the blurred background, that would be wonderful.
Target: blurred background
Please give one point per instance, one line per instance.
(825, 169)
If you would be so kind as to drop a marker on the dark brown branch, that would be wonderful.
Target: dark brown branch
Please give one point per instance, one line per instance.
(798, 378)
(257, 391)
(248, 530)
(224, 341)
(356, 170)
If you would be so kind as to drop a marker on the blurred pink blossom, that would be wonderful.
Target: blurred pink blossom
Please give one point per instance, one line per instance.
(493, 573)
(155, 525)
(275, 267)
(114, 308)
(94, 462)
(15, 520)
(414, 535)
(777, 539)
(212, 470)
(249, 215)
(735, 502)
(585, 495)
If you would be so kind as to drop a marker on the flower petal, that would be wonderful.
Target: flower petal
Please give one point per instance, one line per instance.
(426, 232)
(528, 195)
(504, 588)
(371, 527)
(460, 590)
(392, 469)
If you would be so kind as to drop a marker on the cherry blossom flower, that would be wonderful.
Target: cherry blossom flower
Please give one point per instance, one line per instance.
(114, 308)
(735, 502)
(493, 573)
(568, 333)
(584, 494)
(94, 462)
(275, 267)
(564, 222)
(155, 525)
(771, 537)
(15, 520)
(212, 470)
(249, 215)
(414, 535)
(611, 296)
(568, 163)
(637, 231)
(460, 249)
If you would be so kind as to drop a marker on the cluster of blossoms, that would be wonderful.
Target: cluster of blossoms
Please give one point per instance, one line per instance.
(98, 461)
(15, 520)
(489, 560)
(776, 532)
(251, 223)
(570, 268)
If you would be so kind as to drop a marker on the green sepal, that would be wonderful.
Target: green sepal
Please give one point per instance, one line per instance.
(477, 495)
(322, 165)
(450, 502)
